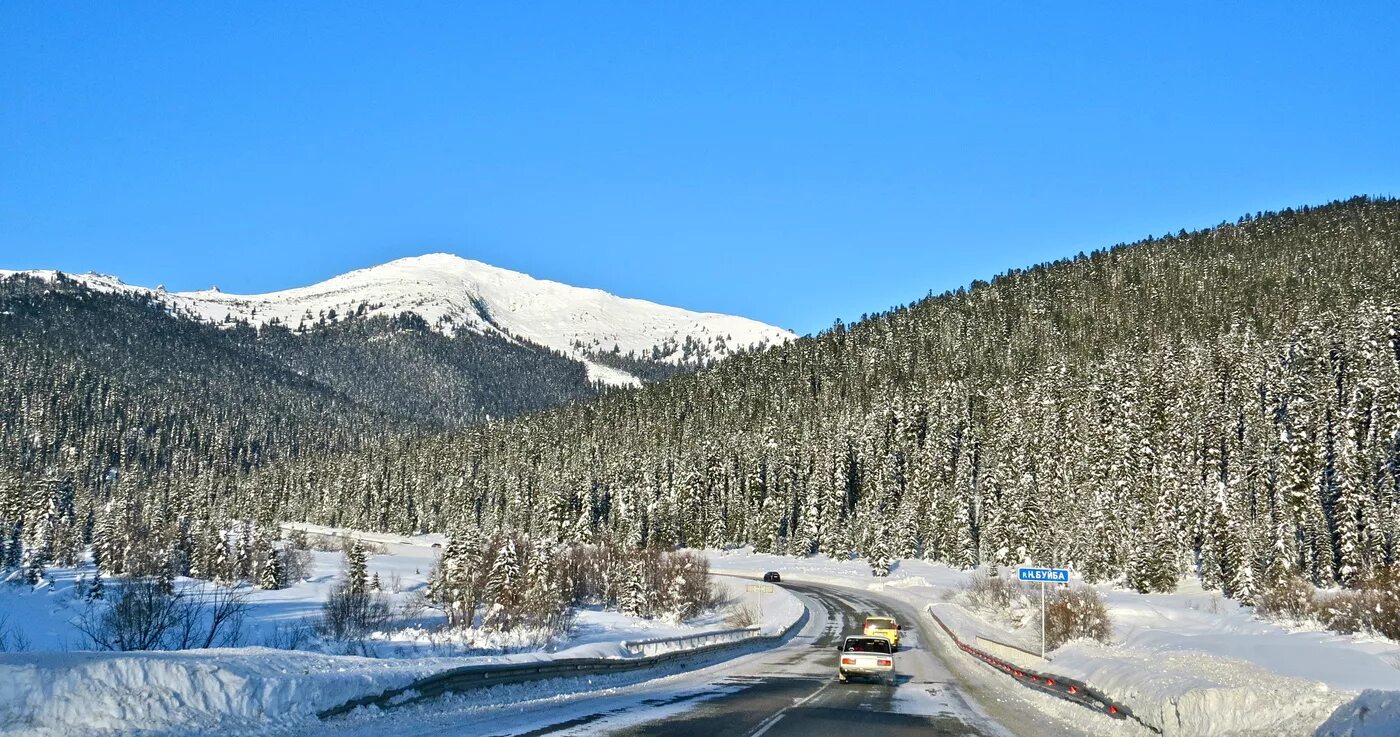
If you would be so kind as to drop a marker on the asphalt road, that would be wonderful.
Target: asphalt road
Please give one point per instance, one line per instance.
(799, 695)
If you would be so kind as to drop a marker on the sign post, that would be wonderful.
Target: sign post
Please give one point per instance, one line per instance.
(758, 590)
(1043, 575)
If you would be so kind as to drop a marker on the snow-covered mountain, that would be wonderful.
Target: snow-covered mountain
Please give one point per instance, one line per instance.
(451, 292)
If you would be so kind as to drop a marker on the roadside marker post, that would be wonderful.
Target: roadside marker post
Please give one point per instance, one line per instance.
(1043, 575)
(758, 590)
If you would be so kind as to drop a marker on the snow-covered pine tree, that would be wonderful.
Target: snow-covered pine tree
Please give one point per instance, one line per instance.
(356, 568)
(273, 575)
(636, 595)
(502, 590)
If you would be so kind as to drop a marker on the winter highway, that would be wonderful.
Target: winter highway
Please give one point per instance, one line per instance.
(786, 690)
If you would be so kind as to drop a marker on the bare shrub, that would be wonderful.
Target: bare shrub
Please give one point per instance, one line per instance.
(1372, 605)
(290, 635)
(141, 617)
(148, 614)
(740, 616)
(547, 580)
(349, 614)
(1076, 613)
(323, 543)
(992, 592)
(1290, 598)
(12, 639)
(214, 617)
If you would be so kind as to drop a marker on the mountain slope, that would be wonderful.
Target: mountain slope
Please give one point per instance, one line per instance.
(1224, 402)
(451, 293)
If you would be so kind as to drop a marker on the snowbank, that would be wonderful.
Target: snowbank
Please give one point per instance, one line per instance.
(225, 690)
(254, 689)
(1372, 714)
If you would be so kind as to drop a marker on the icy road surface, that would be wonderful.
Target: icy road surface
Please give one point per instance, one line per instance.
(789, 690)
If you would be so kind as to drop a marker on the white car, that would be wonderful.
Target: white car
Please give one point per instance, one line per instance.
(866, 657)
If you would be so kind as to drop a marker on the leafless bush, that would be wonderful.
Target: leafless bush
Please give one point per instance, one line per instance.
(148, 614)
(1291, 598)
(1072, 614)
(141, 617)
(740, 616)
(214, 618)
(992, 592)
(290, 635)
(12, 639)
(1372, 605)
(349, 614)
(338, 544)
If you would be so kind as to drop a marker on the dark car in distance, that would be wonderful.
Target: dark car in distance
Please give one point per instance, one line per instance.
(772, 577)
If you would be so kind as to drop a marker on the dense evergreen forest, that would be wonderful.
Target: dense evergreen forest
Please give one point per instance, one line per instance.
(1225, 401)
(102, 385)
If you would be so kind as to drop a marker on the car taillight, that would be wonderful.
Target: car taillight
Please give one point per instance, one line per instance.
(883, 661)
(848, 661)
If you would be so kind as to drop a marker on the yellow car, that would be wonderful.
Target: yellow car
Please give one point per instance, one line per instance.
(884, 627)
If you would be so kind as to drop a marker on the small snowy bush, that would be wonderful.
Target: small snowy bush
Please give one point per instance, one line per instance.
(1372, 605)
(740, 616)
(1076, 613)
(1290, 598)
(992, 593)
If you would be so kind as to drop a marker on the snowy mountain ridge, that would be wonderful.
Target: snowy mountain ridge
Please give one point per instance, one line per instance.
(450, 292)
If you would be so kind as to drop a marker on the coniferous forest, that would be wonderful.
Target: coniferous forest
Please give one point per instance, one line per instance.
(1223, 402)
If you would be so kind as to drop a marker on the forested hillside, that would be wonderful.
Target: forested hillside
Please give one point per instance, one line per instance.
(98, 385)
(1223, 401)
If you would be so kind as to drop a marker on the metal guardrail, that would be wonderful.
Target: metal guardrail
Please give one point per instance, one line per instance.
(471, 677)
(1061, 687)
(659, 644)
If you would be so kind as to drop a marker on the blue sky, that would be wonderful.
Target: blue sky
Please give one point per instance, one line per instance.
(793, 162)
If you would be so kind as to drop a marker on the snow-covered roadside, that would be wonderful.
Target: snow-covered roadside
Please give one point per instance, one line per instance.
(256, 689)
(1190, 662)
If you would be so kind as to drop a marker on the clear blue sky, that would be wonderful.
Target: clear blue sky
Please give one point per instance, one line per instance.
(793, 162)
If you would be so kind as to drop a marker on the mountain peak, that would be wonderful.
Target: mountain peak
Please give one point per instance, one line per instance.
(454, 293)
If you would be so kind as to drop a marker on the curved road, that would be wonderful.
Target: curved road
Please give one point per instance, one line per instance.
(787, 690)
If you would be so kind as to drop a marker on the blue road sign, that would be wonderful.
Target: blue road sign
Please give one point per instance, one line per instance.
(1047, 575)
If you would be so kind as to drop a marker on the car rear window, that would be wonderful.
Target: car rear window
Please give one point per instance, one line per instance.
(880, 622)
(868, 645)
